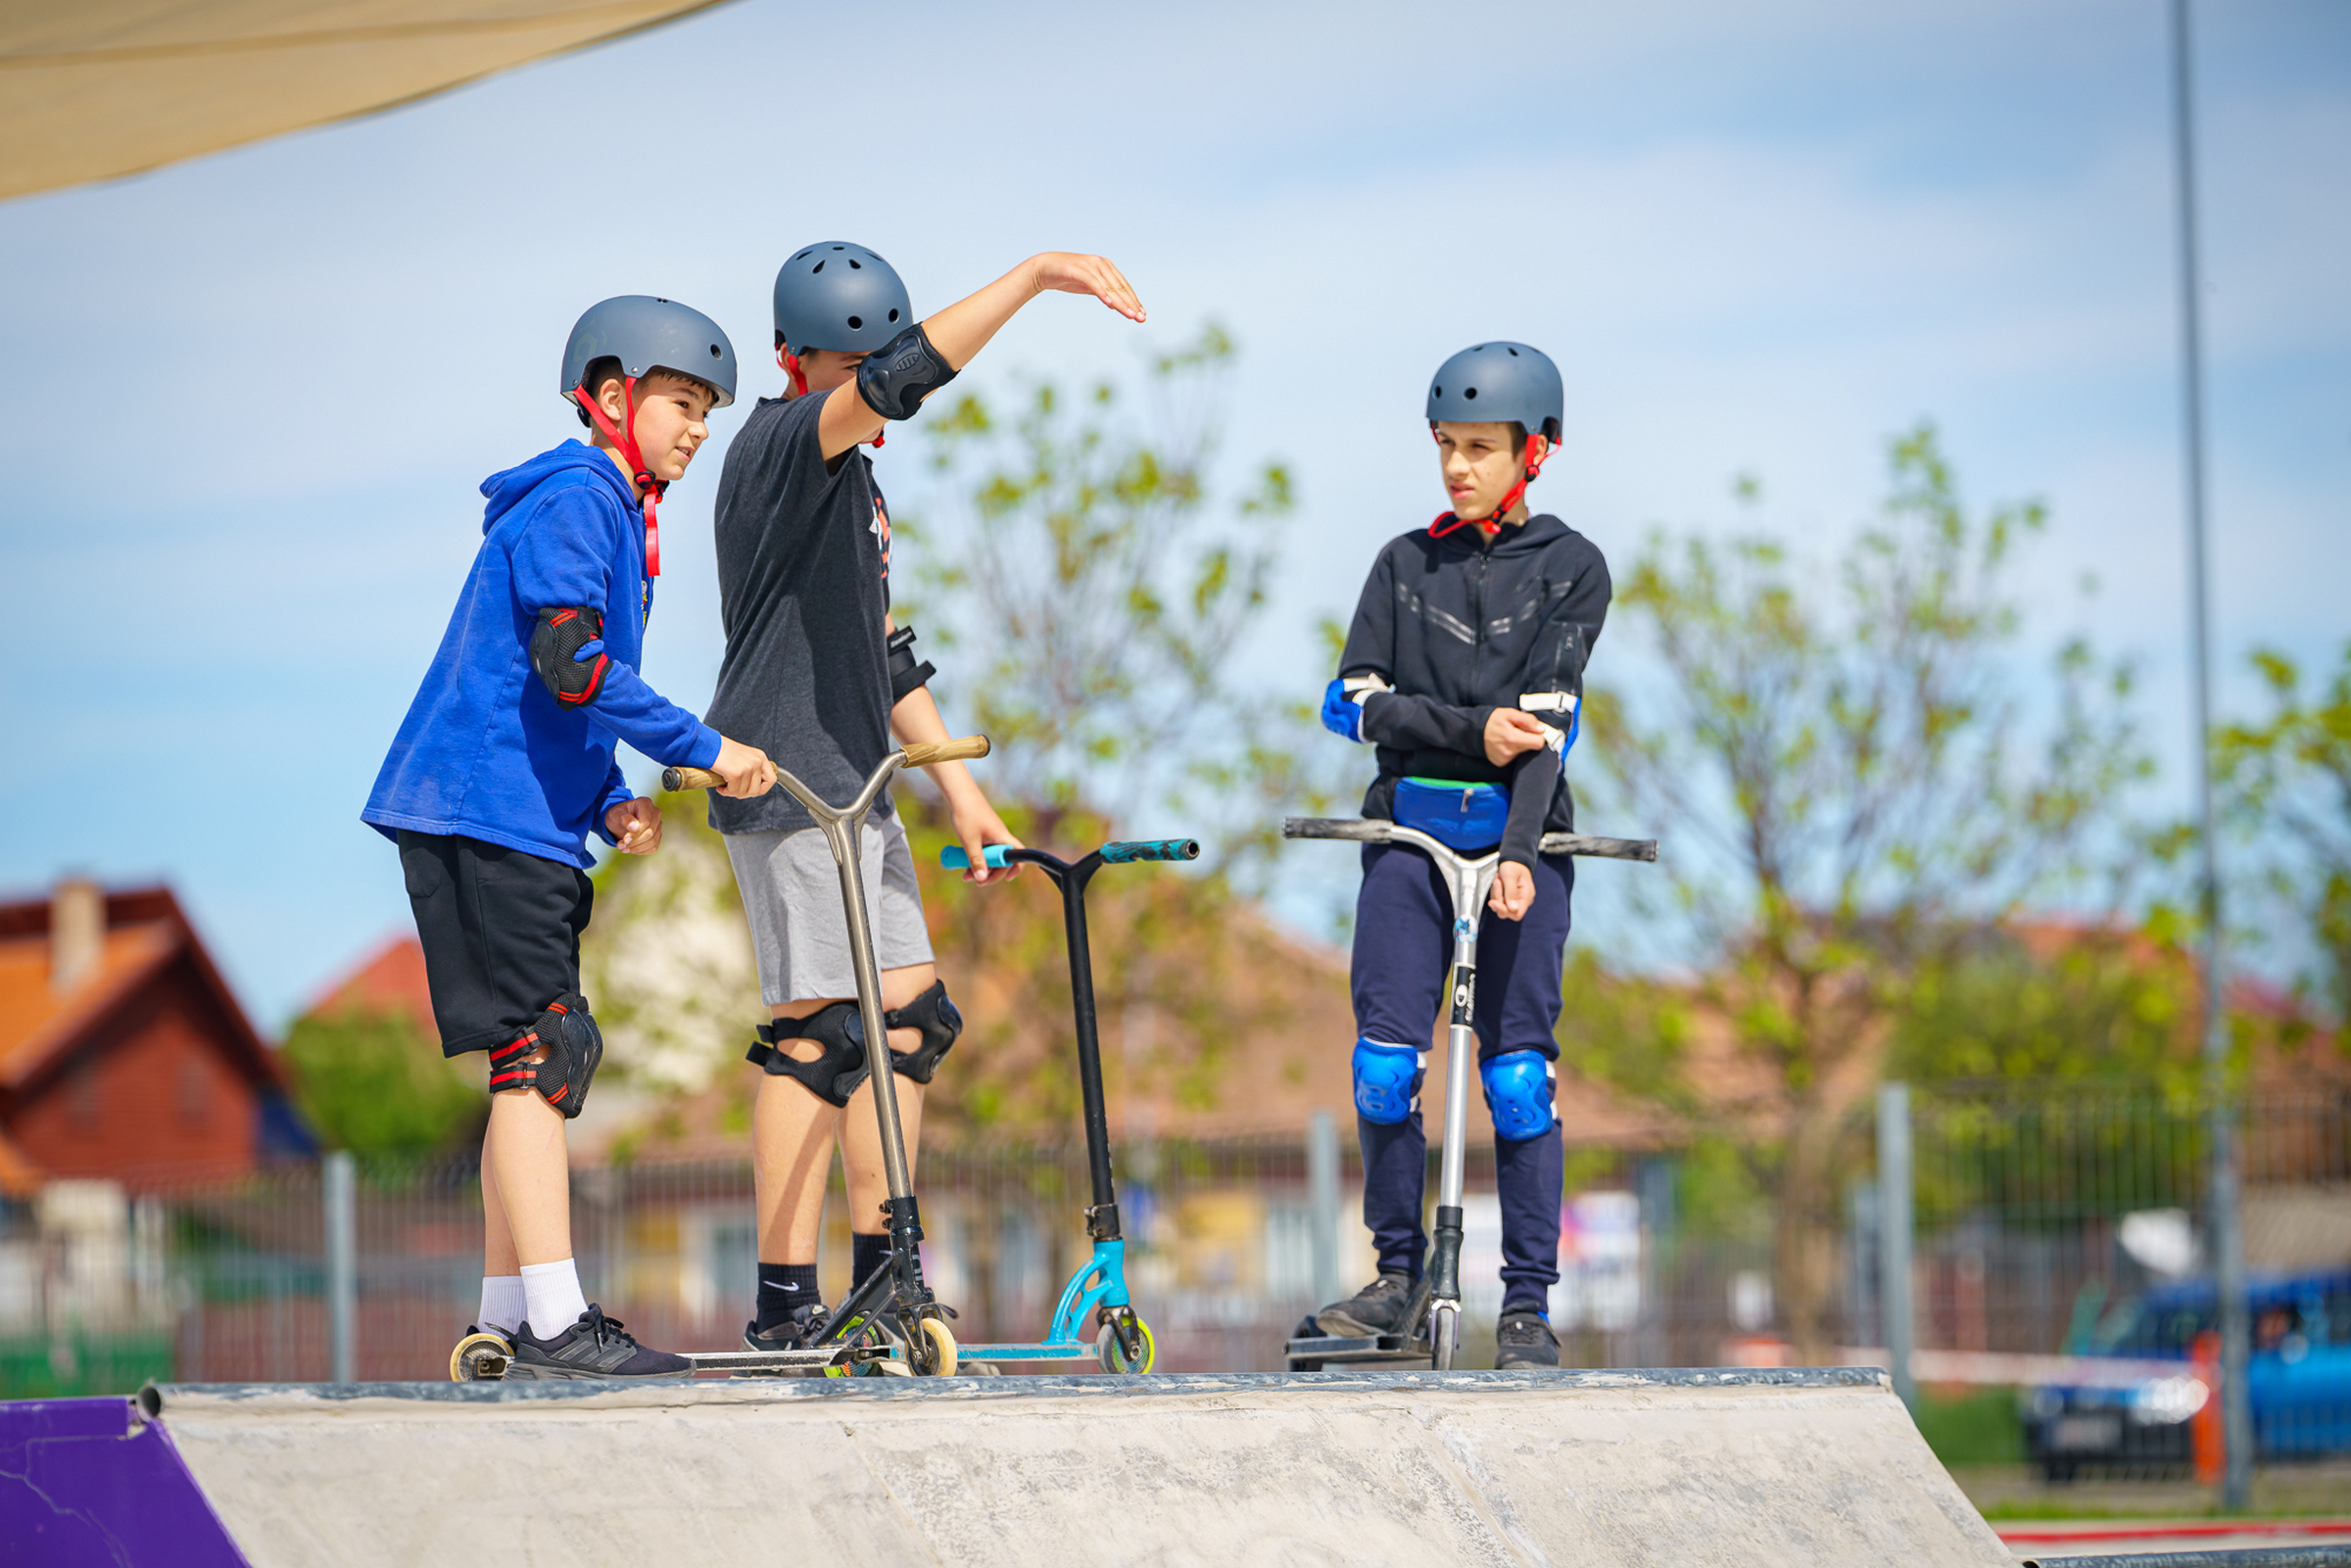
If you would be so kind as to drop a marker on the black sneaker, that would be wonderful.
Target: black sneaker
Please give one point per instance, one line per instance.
(799, 1332)
(1524, 1339)
(1377, 1309)
(594, 1347)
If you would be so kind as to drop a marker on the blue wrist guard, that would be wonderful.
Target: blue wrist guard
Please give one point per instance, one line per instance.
(1343, 702)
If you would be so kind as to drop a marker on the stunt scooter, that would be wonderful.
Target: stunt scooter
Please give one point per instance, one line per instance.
(1434, 1307)
(1123, 1342)
(856, 1340)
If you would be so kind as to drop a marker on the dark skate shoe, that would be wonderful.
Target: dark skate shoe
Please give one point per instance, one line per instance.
(594, 1347)
(799, 1332)
(1377, 1309)
(1522, 1340)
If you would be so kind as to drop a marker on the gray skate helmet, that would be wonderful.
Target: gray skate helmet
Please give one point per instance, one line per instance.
(1501, 381)
(644, 333)
(839, 296)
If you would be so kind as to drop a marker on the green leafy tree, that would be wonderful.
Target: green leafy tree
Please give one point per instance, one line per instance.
(2286, 783)
(1835, 762)
(375, 1083)
(1102, 604)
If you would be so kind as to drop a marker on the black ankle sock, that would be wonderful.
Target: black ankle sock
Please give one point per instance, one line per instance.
(783, 1288)
(866, 1254)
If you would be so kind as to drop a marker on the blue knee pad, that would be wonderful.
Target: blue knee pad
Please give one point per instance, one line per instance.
(1388, 1081)
(1518, 1091)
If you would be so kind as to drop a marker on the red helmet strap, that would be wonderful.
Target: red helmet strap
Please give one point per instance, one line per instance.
(624, 441)
(1537, 449)
(791, 363)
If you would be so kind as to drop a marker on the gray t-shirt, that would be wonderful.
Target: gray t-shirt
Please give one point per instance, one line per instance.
(804, 588)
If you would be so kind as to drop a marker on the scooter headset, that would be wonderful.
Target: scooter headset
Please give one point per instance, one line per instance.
(1537, 449)
(625, 443)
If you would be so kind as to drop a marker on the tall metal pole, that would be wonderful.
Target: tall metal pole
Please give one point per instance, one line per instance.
(1893, 1232)
(2236, 1412)
(1322, 1193)
(339, 1191)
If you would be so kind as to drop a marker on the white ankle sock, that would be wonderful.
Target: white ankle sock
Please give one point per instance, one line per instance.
(501, 1303)
(551, 1299)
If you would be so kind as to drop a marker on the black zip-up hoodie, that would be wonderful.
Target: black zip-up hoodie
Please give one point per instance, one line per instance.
(1460, 626)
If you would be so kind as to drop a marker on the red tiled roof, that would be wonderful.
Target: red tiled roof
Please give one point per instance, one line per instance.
(145, 933)
(391, 981)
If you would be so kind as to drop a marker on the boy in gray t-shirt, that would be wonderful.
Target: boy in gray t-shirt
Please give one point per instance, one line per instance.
(817, 675)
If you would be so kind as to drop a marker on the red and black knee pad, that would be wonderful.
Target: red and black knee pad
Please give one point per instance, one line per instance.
(569, 1046)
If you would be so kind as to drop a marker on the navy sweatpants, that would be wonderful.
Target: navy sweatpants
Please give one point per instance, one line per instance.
(1402, 955)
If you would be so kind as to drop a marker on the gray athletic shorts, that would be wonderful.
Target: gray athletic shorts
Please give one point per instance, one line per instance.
(792, 895)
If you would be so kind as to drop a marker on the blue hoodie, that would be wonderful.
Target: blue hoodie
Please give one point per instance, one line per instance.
(485, 752)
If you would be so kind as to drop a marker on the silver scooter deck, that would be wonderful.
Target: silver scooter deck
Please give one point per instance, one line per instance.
(1352, 1352)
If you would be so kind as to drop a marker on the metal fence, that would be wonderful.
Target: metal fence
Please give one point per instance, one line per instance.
(2048, 1221)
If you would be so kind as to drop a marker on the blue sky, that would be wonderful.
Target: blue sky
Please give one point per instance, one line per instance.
(252, 396)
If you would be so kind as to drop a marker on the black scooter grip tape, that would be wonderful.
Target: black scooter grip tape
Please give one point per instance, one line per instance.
(1120, 850)
(1600, 848)
(1361, 830)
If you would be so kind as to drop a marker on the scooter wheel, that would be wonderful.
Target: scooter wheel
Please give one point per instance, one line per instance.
(1445, 1333)
(480, 1358)
(1114, 1358)
(940, 1341)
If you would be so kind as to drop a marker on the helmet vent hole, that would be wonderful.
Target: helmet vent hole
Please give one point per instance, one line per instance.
(856, 323)
(894, 312)
(819, 268)
(840, 247)
(804, 255)
(1440, 391)
(1471, 395)
(716, 353)
(1513, 354)
(859, 266)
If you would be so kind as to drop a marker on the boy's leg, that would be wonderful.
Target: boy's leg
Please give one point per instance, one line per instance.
(1519, 966)
(500, 932)
(790, 893)
(1403, 941)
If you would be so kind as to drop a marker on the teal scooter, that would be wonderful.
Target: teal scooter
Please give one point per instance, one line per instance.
(1121, 1341)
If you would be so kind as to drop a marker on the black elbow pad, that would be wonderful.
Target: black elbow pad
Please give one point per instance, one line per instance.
(896, 378)
(907, 673)
(556, 642)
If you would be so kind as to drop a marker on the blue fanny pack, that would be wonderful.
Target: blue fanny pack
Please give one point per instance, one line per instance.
(1464, 817)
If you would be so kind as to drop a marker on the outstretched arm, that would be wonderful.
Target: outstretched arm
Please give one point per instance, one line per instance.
(963, 329)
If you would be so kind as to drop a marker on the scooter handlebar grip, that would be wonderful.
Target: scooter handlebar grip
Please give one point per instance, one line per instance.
(676, 779)
(1600, 848)
(1362, 830)
(1119, 850)
(923, 753)
(954, 859)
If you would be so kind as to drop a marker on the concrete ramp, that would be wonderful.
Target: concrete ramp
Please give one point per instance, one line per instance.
(1700, 1467)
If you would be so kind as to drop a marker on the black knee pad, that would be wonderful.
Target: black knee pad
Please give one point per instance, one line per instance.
(933, 1015)
(574, 1049)
(840, 1066)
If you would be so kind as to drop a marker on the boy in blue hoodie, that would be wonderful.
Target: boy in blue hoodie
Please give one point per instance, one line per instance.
(503, 766)
(1465, 668)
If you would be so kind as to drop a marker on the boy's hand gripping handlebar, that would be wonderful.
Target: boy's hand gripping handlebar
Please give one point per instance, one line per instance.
(919, 755)
(1372, 831)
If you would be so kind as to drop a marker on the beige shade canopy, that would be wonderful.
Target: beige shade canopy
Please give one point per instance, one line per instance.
(91, 89)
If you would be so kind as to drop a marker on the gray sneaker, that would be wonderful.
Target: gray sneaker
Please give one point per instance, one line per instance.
(1377, 1309)
(594, 1347)
(1522, 1340)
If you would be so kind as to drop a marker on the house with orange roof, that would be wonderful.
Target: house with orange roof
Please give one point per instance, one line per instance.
(123, 1054)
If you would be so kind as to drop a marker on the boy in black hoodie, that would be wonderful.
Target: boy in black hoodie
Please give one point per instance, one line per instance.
(1465, 668)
